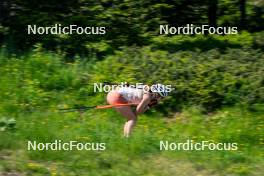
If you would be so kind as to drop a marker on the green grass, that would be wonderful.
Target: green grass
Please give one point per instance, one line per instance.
(33, 89)
(140, 154)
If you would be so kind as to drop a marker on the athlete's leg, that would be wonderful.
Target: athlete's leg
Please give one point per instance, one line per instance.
(114, 98)
(131, 119)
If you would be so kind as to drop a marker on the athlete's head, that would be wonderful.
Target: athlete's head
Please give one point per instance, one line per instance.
(160, 89)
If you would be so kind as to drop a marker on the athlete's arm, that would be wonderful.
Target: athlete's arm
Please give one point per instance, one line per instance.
(143, 105)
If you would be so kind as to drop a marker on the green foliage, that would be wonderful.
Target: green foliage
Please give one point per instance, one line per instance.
(127, 22)
(210, 79)
(206, 71)
(205, 43)
(141, 150)
(35, 82)
(222, 75)
(35, 86)
(7, 124)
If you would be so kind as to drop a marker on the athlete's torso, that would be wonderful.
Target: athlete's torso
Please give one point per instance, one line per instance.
(132, 95)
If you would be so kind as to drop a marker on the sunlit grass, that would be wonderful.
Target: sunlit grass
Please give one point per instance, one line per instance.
(33, 90)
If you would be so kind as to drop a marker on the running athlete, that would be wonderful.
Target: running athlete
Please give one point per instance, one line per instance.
(142, 98)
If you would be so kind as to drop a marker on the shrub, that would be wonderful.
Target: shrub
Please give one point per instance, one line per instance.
(210, 79)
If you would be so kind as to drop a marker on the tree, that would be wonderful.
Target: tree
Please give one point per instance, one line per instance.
(212, 12)
(242, 7)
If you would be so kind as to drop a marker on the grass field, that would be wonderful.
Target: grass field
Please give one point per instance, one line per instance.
(140, 154)
(33, 89)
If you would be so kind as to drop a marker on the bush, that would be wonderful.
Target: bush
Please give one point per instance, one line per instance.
(210, 79)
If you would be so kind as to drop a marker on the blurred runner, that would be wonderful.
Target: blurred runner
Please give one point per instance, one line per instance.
(143, 98)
